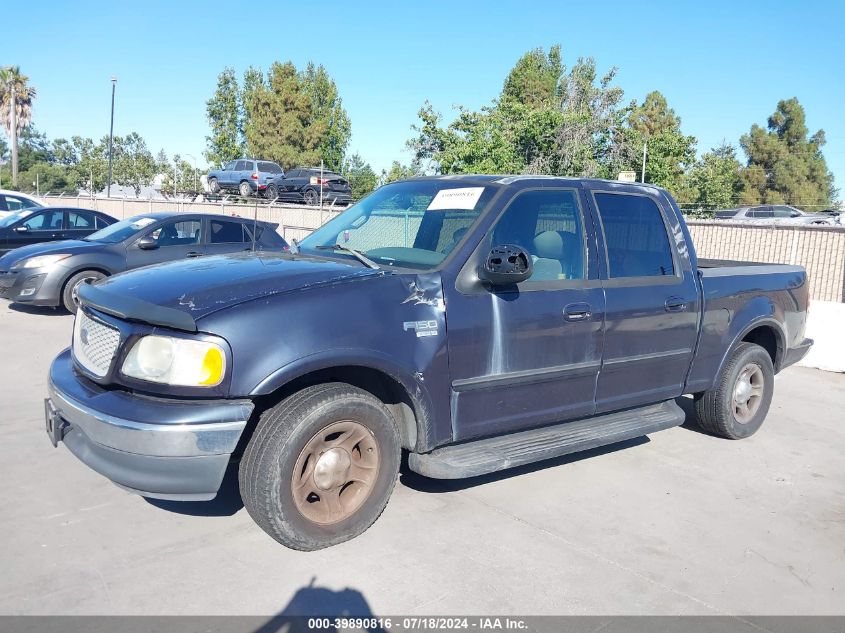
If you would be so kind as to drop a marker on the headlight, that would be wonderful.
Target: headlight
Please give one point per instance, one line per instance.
(41, 261)
(176, 361)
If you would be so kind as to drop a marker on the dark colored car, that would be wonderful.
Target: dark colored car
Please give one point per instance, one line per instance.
(245, 175)
(479, 322)
(49, 224)
(305, 184)
(51, 274)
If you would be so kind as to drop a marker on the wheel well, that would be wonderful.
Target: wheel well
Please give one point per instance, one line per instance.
(766, 337)
(82, 270)
(381, 385)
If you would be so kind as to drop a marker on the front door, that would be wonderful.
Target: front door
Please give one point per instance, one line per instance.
(651, 315)
(176, 239)
(41, 226)
(529, 355)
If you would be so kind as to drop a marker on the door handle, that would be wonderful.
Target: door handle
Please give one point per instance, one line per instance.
(675, 304)
(577, 312)
(194, 254)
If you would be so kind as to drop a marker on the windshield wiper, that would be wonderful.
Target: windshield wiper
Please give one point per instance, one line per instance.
(345, 249)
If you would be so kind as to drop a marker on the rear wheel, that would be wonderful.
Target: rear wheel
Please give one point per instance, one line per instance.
(244, 189)
(213, 185)
(271, 192)
(311, 197)
(736, 407)
(320, 466)
(70, 292)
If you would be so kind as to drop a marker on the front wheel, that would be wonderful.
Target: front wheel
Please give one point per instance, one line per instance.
(320, 466)
(70, 292)
(738, 403)
(244, 189)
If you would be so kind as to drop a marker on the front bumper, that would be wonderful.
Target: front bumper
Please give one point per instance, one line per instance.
(35, 286)
(160, 448)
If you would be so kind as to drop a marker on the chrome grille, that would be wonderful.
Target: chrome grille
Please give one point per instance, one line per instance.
(94, 344)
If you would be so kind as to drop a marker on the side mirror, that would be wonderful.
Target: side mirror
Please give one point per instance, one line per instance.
(148, 243)
(506, 265)
(22, 229)
(794, 214)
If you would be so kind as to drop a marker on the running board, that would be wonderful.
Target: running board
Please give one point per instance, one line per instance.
(488, 455)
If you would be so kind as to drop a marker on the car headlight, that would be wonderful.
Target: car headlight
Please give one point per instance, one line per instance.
(176, 361)
(41, 261)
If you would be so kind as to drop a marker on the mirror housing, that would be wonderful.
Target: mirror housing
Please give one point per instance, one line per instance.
(506, 265)
(148, 243)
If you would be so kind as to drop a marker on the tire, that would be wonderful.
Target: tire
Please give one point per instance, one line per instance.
(244, 189)
(69, 290)
(720, 411)
(271, 192)
(311, 197)
(213, 185)
(288, 507)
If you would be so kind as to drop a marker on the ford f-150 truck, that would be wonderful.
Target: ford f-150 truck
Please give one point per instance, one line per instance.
(477, 322)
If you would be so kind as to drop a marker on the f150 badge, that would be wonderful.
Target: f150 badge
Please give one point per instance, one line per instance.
(422, 328)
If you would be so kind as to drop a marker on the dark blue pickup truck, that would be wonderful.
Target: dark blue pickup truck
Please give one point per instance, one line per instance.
(478, 322)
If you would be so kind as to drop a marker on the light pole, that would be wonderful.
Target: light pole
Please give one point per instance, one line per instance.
(111, 136)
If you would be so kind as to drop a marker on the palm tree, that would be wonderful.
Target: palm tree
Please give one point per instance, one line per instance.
(15, 108)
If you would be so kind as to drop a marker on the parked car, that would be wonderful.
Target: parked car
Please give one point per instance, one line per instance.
(51, 274)
(303, 184)
(49, 224)
(11, 201)
(479, 322)
(245, 175)
(778, 213)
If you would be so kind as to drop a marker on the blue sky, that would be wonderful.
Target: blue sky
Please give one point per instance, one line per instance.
(722, 65)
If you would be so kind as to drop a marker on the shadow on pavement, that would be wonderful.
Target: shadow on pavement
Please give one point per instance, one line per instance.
(227, 502)
(310, 601)
(691, 421)
(41, 310)
(419, 483)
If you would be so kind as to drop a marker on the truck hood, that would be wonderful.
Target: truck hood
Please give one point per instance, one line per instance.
(177, 294)
(74, 247)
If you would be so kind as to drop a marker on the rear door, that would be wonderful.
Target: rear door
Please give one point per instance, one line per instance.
(651, 299)
(79, 224)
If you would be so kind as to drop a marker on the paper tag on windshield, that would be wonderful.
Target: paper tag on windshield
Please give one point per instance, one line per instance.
(140, 223)
(465, 198)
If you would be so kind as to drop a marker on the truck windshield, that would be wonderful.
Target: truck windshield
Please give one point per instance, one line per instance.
(410, 224)
(120, 231)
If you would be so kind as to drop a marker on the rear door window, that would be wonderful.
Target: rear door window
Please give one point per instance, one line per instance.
(635, 236)
(80, 220)
(269, 168)
(226, 232)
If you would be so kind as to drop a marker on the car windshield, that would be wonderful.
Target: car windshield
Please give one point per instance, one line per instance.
(120, 231)
(410, 224)
(10, 219)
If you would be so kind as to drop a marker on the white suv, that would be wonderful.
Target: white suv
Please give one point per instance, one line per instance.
(11, 201)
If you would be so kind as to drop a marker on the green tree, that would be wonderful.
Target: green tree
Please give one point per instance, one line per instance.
(279, 120)
(224, 113)
(785, 164)
(133, 164)
(670, 152)
(397, 171)
(46, 177)
(180, 170)
(535, 79)
(714, 182)
(16, 96)
(362, 179)
(547, 121)
(327, 111)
